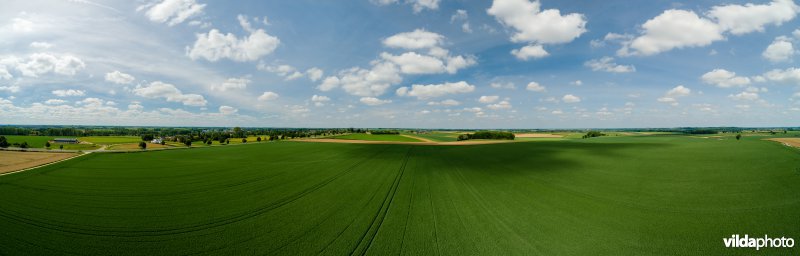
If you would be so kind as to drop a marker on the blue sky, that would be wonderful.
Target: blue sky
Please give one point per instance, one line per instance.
(400, 63)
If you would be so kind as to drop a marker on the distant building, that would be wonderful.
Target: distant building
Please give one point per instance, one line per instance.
(66, 140)
(157, 141)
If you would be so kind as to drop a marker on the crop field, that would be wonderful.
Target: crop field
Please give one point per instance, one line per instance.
(383, 137)
(106, 140)
(33, 141)
(437, 136)
(636, 195)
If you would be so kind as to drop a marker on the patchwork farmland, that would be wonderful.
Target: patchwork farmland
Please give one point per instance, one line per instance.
(680, 194)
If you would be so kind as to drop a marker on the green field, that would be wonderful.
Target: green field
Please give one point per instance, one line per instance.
(382, 137)
(107, 140)
(438, 136)
(672, 195)
(33, 141)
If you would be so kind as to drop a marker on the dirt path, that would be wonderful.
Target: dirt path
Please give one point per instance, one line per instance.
(417, 138)
(449, 143)
(13, 161)
(792, 142)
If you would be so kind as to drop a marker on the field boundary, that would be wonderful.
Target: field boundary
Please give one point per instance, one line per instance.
(448, 143)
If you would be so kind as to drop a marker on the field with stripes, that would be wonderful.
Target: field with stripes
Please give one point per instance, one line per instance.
(642, 195)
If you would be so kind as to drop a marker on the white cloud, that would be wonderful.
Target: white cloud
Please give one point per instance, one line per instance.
(414, 63)
(438, 90)
(530, 52)
(536, 87)
(569, 98)
(10, 88)
(488, 99)
(268, 96)
(557, 112)
(779, 50)
(169, 92)
(606, 64)
(536, 26)
(724, 79)
(508, 85)
(576, 83)
(227, 110)
(214, 45)
(42, 63)
(671, 96)
(742, 19)
(119, 77)
(329, 83)
(789, 75)
(172, 12)
(448, 102)
(462, 15)
(232, 84)
(745, 96)
(314, 74)
(414, 40)
(500, 105)
(672, 29)
(369, 82)
(69, 93)
(417, 5)
(372, 101)
(55, 102)
(286, 71)
(41, 45)
(319, 100)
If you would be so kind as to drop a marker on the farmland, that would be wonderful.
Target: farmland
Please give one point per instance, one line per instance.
(609, 195)
(107, 140)
(370, 137)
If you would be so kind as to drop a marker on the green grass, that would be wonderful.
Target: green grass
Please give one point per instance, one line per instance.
(636, 195)
(106, 140)
(438, 136)
(384, 137)
(33, 141)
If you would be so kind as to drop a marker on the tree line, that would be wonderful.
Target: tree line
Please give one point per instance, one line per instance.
(487, 135)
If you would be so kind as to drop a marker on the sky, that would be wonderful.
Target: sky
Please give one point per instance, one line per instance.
(400, 63)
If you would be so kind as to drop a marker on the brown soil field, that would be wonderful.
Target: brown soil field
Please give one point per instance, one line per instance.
(11, 161)
(537, 135)
(794, 142)
(451, 143)
(417, 138)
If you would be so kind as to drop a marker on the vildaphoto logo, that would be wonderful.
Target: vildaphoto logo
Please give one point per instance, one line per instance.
(746, 241)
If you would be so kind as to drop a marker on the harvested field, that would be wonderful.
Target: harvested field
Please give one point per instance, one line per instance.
(431, 143)
(793, 142)
(537, 135)
(13, 161)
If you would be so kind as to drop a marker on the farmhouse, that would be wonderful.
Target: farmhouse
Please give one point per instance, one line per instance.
(157, 141)
(66, 140)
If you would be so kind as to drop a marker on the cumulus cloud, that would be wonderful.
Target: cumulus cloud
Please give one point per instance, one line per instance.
(536, 87)
(676, 29)
(232, 84)
(724, 79)
(372, 101)
(569, 98)
(417, 5)
(436, 90)
(68, 93)
(368, 82)
(319, 100)
(227, 110)
(779, 50)
(508, 85)
(314, 74)
(268, 96)
(461, 15)
(172, 12)
(169, 92)
(488, 99)
(215, 45)
(40, 64)
(55, 102)
(536, 27)
(414, 63)
(500, 105)
(606, 64)
(742, 19)
(10, 88)
(744, 96)
(447, 102)
(41, 45)
(789, 76)
(414, 40)
(119, 77)
(671, 97)
(530, 52)
(329, 83)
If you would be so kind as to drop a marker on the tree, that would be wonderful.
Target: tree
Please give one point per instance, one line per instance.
(188, 143)
(227, 141)
(163, 143)
(60, 147)
(47, 144)
(142, 145)
(4, 142)
(258, 139)
(237, 131)
(148, 137)
(244, 140)
(24, 144)
(738, 136)
(209, 142)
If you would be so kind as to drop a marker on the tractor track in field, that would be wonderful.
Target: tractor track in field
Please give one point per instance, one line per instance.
(408, 214)
(172, 231)
(383, 211)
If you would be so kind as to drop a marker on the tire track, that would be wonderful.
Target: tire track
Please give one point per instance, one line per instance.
(365, 243)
